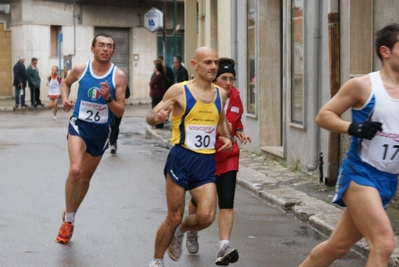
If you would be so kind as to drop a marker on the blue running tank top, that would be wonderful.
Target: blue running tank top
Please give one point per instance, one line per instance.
(90, 105)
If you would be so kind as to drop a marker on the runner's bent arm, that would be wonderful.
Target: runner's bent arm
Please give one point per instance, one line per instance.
(354, 93)
(170, 101)
(66, 84)
(117, 106)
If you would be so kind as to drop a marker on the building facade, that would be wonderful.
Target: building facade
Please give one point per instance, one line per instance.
(292, 56)
(59, 33)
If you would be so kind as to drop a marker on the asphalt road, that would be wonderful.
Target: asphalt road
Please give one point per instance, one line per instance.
(117, 222)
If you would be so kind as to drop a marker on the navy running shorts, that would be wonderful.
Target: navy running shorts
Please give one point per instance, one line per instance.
(190, 169)
(94, 135)
(365, 175)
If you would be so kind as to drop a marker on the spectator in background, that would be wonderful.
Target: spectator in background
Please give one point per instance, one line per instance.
(33, 76)
(157, 85)
(115, 127)
(169, 73)
(19, 83)
(181, 73)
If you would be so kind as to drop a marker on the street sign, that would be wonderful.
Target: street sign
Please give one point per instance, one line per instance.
(153, 19)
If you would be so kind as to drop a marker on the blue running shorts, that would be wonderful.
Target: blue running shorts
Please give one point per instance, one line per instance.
(190, 169)
(94, 135)
(366, 175)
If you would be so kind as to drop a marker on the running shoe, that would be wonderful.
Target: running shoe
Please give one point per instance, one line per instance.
(156, 264)
(65, 233)
(113, 149)
(226, 255)
(192, 242)
(174, 249)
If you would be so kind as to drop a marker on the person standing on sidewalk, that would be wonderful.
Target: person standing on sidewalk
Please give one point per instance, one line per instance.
(19, 83)
(113, 138)
(53, 82)
(197, 114)
(180, 71)
(100, 96)
(33, 76)
(157, 85)
(368, 176)
(226, 167)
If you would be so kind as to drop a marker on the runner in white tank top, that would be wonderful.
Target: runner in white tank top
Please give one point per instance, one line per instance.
(368, 176)
(53, 83)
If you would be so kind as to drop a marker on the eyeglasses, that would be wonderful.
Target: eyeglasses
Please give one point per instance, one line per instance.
(109, 46)
(230, 79)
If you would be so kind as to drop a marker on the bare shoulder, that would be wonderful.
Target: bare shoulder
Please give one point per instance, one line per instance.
(175, 90)
(75, 74)
(78, 70)
(354, 93)
(359, 85)
(120, 77)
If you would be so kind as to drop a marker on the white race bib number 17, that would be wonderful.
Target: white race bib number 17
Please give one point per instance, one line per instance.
(201, 136)
(92, 112)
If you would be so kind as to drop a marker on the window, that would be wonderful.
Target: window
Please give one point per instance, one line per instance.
(54, 31)
(297, 111)
(170, 50)
(251, 97)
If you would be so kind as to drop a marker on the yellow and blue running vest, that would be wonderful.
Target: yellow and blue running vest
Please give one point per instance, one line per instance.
(195, 128)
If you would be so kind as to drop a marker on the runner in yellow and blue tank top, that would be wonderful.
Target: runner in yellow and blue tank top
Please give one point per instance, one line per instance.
(194, 132)
(197, 115)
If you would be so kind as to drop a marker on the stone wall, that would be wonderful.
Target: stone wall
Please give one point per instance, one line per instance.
(5, 61)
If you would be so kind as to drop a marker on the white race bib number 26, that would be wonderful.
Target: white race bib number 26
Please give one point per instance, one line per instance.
(201, 136)
(92, 112)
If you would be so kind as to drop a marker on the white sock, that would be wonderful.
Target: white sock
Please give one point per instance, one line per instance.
(158, 260)
(179, 232)
(223, 243)
(70, 217)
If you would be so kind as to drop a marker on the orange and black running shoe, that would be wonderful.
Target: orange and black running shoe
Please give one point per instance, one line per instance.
(65, 233)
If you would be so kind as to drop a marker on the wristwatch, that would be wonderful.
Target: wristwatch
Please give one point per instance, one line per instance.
(232, 139)
(110, 99)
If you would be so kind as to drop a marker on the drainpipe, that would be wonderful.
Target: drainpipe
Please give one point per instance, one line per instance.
(333, 48)
(74, 28)
(234, 29)
(316, 82)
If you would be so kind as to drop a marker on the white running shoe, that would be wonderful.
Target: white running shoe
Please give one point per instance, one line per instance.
(54, 118)
(174, 249)
(156, 264)
(192, 242)
(226, 255)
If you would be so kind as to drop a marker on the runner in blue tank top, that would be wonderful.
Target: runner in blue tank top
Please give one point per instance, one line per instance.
(100, 96)
(367, 179)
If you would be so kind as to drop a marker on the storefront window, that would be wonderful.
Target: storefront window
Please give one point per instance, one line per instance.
(297, 62)
(251, 97)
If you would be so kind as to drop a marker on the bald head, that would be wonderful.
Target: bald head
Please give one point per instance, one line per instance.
(205, 63)
(200, 52)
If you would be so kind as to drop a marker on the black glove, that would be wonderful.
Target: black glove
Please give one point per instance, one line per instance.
(366, 129)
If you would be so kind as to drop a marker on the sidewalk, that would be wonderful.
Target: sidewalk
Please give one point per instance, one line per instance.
(290, 190)
(8, 104)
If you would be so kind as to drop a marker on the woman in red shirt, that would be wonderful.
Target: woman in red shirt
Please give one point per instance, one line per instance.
(226, 167)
